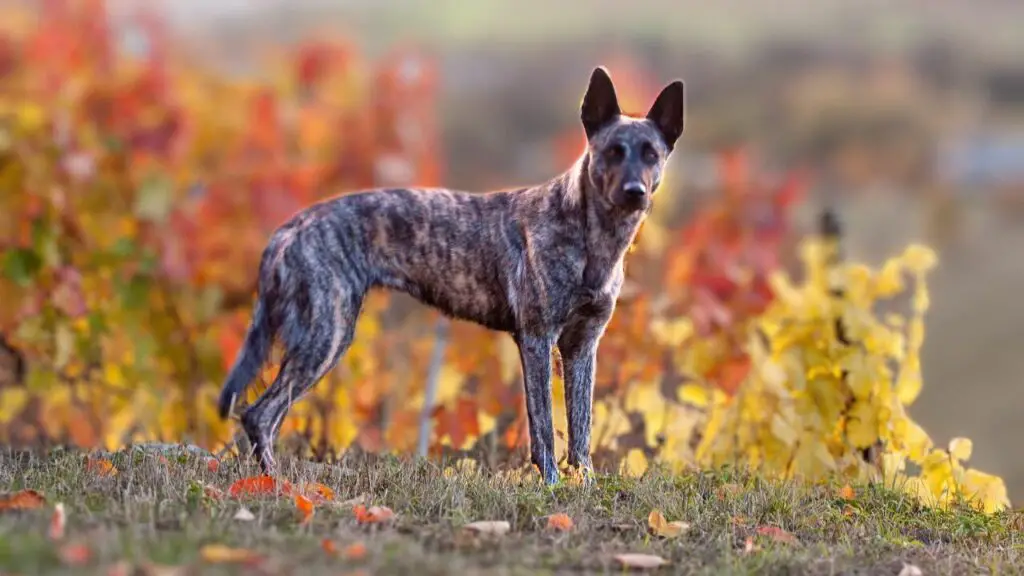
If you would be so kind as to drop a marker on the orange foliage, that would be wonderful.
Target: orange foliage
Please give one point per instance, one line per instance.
(144, 192)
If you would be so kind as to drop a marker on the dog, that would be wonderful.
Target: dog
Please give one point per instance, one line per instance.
(542, 263)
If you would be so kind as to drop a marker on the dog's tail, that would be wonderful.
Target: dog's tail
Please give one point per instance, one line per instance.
(250, 359)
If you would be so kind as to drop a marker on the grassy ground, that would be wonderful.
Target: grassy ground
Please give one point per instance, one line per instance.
(154, 512)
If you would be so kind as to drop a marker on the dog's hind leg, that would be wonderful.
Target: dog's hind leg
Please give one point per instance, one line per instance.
(307, 360)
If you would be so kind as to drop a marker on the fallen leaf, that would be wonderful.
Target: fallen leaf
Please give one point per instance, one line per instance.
(23, 500)
(560, 522)
(631, 560)
(220, 554)
(305, 507)
(212, 465)
(739, 520)
(329, 546)
(57, 522)
(776, 533)
(661, 527)
(244, 515)
(749, 547)
(120, 568)
(259, 486)
(317, 491)
(212, 492)
(496, 527)
(726, 490)
(151, 569)
(373, 515)
(355, 551)
(847, 493)
(910, 570)
(100, 466)
(361, 499)
(75, 554)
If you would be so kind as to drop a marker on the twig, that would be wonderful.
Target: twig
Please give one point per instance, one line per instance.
(433, 375)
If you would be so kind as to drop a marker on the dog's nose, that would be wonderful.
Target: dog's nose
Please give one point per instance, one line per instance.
(634, 189)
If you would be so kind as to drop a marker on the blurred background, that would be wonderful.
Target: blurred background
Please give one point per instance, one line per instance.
(906, 118)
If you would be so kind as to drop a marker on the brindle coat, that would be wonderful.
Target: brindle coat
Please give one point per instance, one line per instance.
(544, 264)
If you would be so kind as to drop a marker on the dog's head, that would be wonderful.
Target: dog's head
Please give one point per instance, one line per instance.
(628, 154)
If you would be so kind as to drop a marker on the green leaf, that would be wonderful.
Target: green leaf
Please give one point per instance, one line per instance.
(123, 248)
(154, 199)
(21, 265)
(135, 291)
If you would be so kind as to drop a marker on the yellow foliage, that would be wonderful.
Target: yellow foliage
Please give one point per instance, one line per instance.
(818, 396)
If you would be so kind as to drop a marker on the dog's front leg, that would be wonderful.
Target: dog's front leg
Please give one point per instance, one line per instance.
(535, 353)
(578, 347)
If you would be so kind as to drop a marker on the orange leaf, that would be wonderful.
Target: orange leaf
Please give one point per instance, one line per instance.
(24, 500)
(373, 515)
(776, 533)
(100, 466)
(847, 493)
(75, 554)
(212, 465)
(662, 527)
(259, 486)
(220, 554)
(305, 507)
(317, 491)
(57, 522)
(560, 522)
(355, 551)
(329, 546)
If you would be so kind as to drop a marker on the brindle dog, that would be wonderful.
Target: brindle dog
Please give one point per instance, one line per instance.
(543, 263)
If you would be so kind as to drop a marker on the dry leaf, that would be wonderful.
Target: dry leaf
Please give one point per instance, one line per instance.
(220, 554)
(355, 551)
(305, 507)
(75, 554)
(560, 522)
(244, 515)
(910, 570)
(317, 492)
(373, 515)
(776, 533)
(749, 547)
(640, 560)
(57, 522)
(23, 500)
(726, 490)
(212, 492)
(496, 527)
(661, 527)
(353, 502)
(847, 493)
(151, 569)
(100, 466)
(120, 568)
(259, 486)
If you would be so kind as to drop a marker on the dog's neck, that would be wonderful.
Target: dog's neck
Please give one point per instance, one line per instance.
(608, 230)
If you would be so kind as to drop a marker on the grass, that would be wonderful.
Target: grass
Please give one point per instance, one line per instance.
(153, 512)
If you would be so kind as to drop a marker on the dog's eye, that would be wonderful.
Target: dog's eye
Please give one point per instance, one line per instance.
(616, 153)
(649, 153)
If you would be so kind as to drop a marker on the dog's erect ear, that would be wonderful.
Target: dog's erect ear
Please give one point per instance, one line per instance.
(667, 112)
(600, 105)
